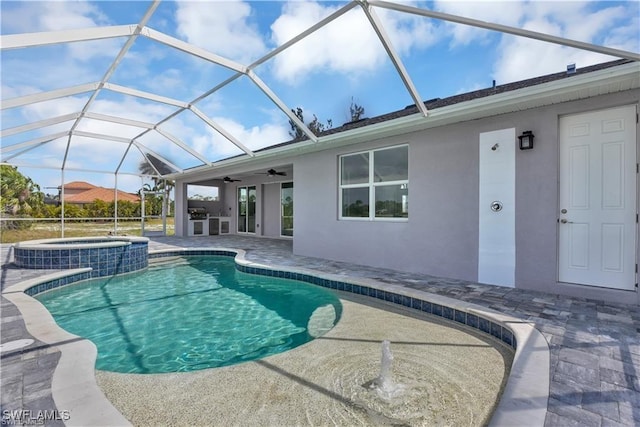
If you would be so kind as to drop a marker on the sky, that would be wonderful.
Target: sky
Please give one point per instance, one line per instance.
(324, 73)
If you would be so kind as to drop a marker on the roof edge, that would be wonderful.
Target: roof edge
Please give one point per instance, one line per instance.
(579, 86)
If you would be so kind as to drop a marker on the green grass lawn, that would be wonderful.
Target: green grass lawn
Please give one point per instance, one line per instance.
(52, 229)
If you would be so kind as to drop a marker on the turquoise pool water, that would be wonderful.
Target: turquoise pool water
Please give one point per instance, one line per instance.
(193, 313)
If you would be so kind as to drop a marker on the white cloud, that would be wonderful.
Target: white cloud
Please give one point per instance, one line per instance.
(521, 58)
(625, 36)
(224, 28)
(132, 108)
(55, 66)
(408, 32)
(58, 15)
(90, 50)
(254, 137)
(524, 58)
(347, 45)
(54, 108)
(18, 89)
(30, 16)
(504, 12)
(90, 153)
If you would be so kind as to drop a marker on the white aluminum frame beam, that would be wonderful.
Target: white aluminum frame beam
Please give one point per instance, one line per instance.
(170, 137)
(124, 156)
(182, 145)
(145, 95)
(84, 170)
(222, 131)
(100, 136)
(30, 145)
(19, 153)
(240, 70)
(39, 124)
(281, 105)
(112, 68)
(119, 120)
(123, 51)
(507, 29)
(344, 9)
(66, 151)
(378, 27)
(192, 50)
(146, 158)
(47, 96)
(40, 140)
(146, 150)
(27, 40)
(18, 41)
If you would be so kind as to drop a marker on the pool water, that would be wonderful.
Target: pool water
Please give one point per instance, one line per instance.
(194, 313)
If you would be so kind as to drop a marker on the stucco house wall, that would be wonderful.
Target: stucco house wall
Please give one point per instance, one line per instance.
(441, 235)
(447, 170)
(271, 209)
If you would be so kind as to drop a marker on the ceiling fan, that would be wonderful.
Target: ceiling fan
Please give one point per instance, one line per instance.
(226, 180)
(272, 172)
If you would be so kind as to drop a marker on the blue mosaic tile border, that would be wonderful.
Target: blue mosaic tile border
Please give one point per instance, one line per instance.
(56, 283)
(192, 252)
(477, 322)
(104, 261)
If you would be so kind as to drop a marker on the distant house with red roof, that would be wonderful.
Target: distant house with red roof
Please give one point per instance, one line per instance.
(84, 193)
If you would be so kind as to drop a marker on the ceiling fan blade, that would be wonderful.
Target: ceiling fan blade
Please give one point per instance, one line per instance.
(273, 172)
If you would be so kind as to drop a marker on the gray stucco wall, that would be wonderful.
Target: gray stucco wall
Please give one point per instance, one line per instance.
(271, 210)
(441, 235)
(441, 223)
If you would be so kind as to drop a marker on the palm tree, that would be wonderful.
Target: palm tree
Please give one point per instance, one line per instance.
(19, 194)
(152, 166)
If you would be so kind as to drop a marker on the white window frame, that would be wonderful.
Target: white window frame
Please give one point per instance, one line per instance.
(371, 185)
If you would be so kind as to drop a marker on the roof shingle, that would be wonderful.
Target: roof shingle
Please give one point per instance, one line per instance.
(100, 193)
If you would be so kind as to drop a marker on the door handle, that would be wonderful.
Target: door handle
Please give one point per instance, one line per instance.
(564, 221)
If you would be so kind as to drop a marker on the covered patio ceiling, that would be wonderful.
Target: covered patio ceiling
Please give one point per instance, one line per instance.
(130, 112)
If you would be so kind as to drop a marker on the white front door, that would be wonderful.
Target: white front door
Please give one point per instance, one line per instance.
(598, 187)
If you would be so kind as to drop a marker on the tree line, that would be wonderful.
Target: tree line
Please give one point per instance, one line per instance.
(21, 197)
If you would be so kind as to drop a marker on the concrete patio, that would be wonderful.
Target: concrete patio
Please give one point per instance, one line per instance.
(595, 346)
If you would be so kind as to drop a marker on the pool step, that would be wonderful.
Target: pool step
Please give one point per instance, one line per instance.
(170, 260)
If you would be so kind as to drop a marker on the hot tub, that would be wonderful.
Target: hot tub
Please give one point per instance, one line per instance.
(105, 255)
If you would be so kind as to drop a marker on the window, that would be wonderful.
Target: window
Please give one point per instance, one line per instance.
(202, 192)
(375, 184)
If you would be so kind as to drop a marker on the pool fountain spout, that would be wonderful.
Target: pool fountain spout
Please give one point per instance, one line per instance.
(384, 385)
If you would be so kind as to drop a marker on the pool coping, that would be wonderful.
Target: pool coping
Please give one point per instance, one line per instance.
(86, 243)
(74, 387)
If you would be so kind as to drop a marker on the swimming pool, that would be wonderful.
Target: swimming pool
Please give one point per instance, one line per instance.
(193, 313)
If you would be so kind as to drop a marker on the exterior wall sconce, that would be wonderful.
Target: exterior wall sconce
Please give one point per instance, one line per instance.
(526, 140)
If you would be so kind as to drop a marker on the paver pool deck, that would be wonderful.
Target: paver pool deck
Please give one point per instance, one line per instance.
(594, 346)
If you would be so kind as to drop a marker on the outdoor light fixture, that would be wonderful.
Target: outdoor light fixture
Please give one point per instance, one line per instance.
(526, 140)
